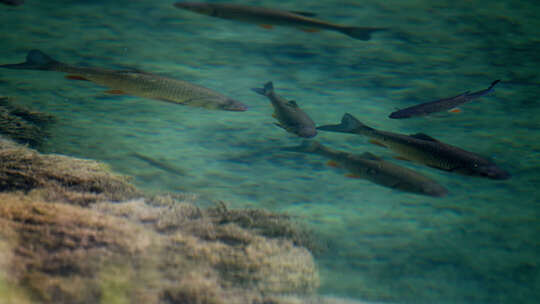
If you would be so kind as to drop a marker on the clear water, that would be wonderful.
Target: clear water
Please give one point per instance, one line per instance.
(480, 244)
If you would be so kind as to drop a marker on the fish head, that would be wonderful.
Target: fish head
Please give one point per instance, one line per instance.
(197, 7)
(491, 171)
(307, 132)
(233, 105)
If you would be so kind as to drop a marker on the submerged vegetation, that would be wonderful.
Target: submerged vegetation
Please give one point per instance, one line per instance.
(60, 178)
(23, 125)
(64, 240)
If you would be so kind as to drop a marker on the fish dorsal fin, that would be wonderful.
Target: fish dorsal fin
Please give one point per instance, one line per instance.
(305, 14)
(292, 104)
(370, 156)
(424, 137)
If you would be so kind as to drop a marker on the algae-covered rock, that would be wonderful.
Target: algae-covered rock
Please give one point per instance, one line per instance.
(71, 254)
(59, 251)
(59, 178)
(242, 257)
(23, 125)
(62, 240)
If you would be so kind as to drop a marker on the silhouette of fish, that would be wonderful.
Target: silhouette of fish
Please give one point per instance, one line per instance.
(423, 149)
(441, 104)
(375, 169)
(267, 17)
(135, 83)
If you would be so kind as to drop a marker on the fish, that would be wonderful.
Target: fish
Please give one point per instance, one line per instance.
(159, 164)
(267, 17)
(441, 104)
(136, 83)
(373, 168)
(288, 113)
(12, 2)
(423, 149)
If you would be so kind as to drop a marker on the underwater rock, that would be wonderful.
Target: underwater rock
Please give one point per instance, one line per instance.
(63, 240)
(23, 125)
(60, 178)
(243, 257)
(63, 253)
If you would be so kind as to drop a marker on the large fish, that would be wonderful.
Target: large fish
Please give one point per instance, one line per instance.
(135, 83)
(288, 113)
(423, 149)
(441, 104)
(373, 168)
(267, 17)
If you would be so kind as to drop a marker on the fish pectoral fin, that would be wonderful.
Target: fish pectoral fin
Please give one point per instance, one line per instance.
(376, 142)
(76, 77)
(455, 110)
(116, 92)
(352, 175)
(266, 26)
(280, 125)
(305, 14)
(423, 136)
(333, 164)
(309, 29)
(399, 157)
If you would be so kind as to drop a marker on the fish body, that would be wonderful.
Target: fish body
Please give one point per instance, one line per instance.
(423, 149)
(441, 104)
(135, 83)
(288, 113)
(375, 169)
(268, 16)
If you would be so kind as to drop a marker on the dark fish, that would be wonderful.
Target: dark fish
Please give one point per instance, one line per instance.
(267, 17)
(423, 149)
(12, 2)
(441, 104)
(135, 83)
(159, 164)
(375, 169)
(290, 116)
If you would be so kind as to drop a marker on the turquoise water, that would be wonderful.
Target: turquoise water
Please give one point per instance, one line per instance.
(479, 244)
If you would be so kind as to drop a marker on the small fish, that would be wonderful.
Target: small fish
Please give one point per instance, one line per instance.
(290, 116)
(375, 169)
(423, 149)
(159, 164)
(135, 83)
(12, 2)
(441, 104)
(267, 17)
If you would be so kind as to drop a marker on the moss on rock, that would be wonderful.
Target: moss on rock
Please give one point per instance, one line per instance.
(60, 178)
(63, 241)
(23, 125)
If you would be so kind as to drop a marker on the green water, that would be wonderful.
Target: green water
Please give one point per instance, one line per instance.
(480, 244)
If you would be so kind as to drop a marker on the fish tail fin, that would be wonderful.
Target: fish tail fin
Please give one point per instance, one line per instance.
(266, 90)
(493, 84)
(35, 60)
(307, 146)
(361, 33)
(348, 124)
